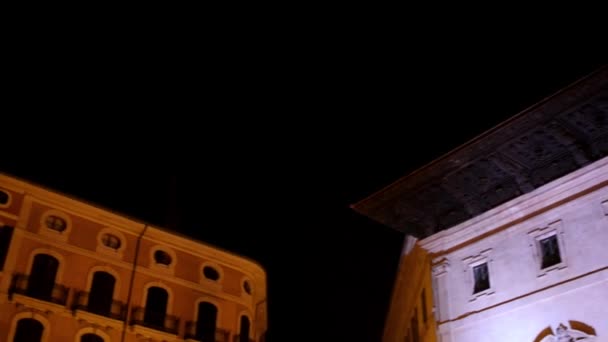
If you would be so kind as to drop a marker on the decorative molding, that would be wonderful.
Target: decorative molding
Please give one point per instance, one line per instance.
(98, 321)
(156, 335)
(563, 333)
(440, 267)
(8, 215)
(38, 304)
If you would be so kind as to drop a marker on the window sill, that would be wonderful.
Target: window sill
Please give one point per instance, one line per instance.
(543, 272)
(481, 294)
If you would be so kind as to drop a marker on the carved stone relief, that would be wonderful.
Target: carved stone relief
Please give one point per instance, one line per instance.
(562, 333)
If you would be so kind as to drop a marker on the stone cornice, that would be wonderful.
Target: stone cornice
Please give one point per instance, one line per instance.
(556, 136)
(567, 188)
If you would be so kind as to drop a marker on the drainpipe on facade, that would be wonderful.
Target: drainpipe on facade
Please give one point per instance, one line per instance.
(135, 258)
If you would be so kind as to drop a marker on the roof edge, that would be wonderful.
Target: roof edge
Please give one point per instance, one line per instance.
(364, 205)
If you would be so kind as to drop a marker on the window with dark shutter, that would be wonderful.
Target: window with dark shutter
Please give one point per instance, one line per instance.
(482, 278)
(549, 248)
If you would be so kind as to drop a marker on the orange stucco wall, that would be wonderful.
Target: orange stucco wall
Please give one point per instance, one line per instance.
(80, 253)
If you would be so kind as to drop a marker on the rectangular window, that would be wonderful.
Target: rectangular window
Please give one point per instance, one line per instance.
(6, 233)
(482, 278)
(423, 303)
(549, 249)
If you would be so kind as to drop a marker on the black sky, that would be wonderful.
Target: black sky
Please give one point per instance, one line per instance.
(268, 157)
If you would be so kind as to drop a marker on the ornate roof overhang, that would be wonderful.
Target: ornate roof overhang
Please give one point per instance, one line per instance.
(560, 134)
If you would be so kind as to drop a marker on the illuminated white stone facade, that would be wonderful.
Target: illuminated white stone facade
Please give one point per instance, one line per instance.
(566, 301)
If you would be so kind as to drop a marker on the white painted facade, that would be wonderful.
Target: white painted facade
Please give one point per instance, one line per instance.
(524, 300)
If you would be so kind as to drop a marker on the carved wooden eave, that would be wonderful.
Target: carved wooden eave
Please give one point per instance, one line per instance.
(556, 136)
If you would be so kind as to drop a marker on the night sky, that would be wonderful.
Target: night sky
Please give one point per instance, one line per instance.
(270, 157)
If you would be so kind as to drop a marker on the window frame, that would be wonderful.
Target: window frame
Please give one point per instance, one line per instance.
(484, 257)
(217, 284)
(246, 279)
(166, 269)
(46, 332)
(537, 235)
(115, 252)
(55, 234)
(249, 316)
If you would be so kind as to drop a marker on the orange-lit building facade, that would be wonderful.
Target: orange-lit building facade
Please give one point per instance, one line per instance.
(70, 271)
(410, 317)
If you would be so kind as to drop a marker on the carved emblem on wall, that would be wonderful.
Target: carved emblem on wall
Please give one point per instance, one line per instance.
(563, 333)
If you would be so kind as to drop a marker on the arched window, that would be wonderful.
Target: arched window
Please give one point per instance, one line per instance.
(156, 307)
(244, 333)
(101, 294)
(91, 338)
(28, 330)
(42, 277)
(206, 322)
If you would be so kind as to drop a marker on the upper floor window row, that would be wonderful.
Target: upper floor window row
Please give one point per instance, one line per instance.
(548, 250)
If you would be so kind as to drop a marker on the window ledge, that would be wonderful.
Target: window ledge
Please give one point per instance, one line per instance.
(481, 294)
(38, 304)
(98, 319)
(152, 333)
(543, 272)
